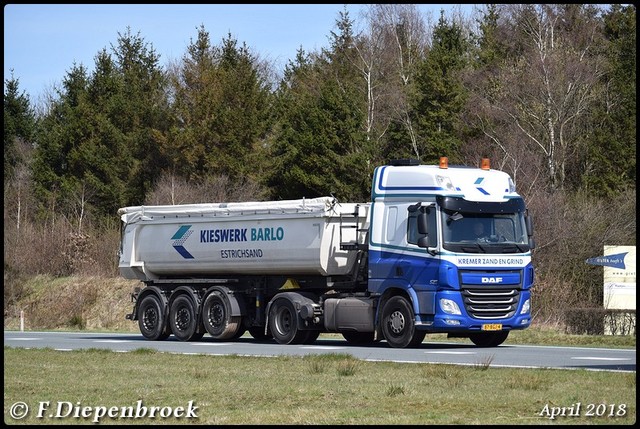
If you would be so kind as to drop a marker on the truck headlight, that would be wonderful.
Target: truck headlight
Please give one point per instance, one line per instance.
(526, 307)
(449, 306)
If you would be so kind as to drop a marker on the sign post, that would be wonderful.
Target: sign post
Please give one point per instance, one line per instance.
(619, 264)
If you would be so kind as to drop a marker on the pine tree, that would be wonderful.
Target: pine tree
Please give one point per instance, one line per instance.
(222, 102)
(321, 146)
(19, 124)
(441, 94)
(98, 146)
(611, 164)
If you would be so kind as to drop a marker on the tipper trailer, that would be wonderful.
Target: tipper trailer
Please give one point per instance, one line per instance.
(396, 268)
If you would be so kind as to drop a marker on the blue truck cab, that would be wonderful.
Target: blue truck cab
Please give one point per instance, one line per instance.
(449, 251)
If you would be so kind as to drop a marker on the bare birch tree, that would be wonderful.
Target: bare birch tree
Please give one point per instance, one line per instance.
(543, 88)
(394, 41)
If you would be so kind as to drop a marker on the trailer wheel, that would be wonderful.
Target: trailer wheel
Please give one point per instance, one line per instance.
(283, 322)
(489, 339)
(217, 319)
(182, 317)
(151, 319)
(397, 324)
(359, 337)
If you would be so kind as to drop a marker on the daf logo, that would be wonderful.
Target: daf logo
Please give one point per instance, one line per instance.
(492, 280)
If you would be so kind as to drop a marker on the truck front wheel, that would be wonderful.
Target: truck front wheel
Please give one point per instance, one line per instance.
(151, 319)
(217, 318)
(398, 326)
(283, 322)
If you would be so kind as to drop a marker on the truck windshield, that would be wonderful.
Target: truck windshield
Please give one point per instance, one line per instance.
(481, 232)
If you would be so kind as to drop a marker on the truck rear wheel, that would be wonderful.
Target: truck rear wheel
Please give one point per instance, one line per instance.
(182, 317)
(283, 322)
(217, 319)
(151, 319)
(489, 339)
(397, 324)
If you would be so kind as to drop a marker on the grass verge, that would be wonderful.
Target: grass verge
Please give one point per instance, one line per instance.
(327, 389)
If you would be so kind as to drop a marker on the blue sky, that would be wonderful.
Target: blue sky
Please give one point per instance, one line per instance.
(42, 41)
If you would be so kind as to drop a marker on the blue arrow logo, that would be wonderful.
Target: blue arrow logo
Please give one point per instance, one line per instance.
(614, 261)
(180, 237)
(478, 182)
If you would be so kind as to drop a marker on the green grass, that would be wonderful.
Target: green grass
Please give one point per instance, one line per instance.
(328, 389)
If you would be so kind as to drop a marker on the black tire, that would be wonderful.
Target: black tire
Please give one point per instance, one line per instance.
(151, 319)
(359, 337)
(311, 338)
(217, 319)
(398, 325)
(283, 322)
(489, 339)
(257, 332)
(182, 318)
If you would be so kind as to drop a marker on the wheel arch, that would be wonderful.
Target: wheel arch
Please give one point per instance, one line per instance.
(186, 290)
(397, 290)
(296, 298)
(152, 290)
(238, 306)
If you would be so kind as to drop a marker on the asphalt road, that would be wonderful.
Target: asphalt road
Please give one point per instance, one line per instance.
(513, 356)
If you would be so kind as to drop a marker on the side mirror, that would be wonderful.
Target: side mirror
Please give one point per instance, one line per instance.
(529, 223)
(423, 241)
(422, 224)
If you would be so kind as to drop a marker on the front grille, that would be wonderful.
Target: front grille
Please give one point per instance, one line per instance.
(491, 303)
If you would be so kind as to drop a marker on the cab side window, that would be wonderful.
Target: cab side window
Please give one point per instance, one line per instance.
(412, 228)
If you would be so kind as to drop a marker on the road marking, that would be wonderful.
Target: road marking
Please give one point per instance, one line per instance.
(112, 341)
(323, 348)
(452, 353)
(23, 339)
(597, 358)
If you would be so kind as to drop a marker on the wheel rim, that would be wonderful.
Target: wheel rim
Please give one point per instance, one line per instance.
(283, 321)
(183, 318)
(216, 315)
(397, 322)
(150, 318)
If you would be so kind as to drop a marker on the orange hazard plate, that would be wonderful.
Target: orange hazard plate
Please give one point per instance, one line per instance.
(492, 327)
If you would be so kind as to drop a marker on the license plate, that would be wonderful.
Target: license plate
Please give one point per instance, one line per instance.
(492, 327)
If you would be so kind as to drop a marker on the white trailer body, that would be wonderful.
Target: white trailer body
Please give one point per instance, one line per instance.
(296, 237)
